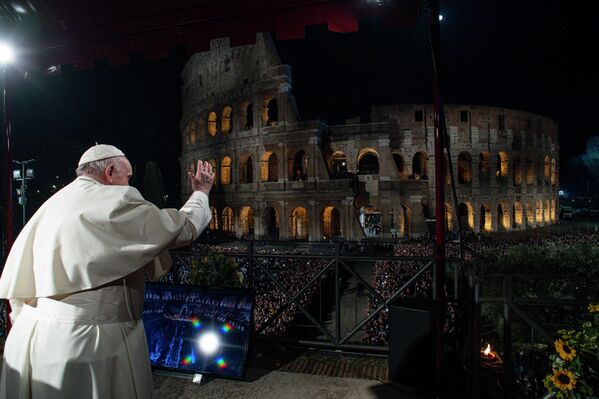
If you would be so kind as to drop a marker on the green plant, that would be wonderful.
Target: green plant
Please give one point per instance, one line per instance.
(216, 270)
(575, 365)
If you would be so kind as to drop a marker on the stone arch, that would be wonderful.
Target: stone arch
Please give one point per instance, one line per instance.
(486, 218)
(518, 215)
(331, 223)
(400, 164)
(246, 171)
(502, 166)
(212, 120)
(484, 166)
(420, 166)
(547, 169)
(299, 166)
(368, 162)
(298, 223)
(517, 171)
(269, 167)
(271, 223)
(466, 215)
(539, 211)
(227, 219)
(370, 220)
(530, 214)
(553, 211)
(226, 120)
(547, 212)
(553, 172)
(272, 112)
(225, 171)
(530, 169)
(448, 217)
(248, 113)
(338, 164)
(503, 216)
(404, 223)
(214, 219)
(464, 168)
(246, 221)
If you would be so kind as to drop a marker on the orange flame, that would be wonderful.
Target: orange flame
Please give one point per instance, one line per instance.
(487, 350)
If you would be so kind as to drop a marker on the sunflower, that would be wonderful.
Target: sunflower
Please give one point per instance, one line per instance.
(564, 350)
(564, 380)
(594, 308)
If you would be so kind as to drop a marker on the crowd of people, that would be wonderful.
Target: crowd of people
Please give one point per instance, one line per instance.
(389, 276)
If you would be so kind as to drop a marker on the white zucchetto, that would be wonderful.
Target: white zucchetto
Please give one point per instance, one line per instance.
(98, 152)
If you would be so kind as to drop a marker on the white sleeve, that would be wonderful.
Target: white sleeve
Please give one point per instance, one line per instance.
(197, 211)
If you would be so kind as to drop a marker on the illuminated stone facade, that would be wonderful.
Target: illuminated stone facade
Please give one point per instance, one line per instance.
(282, 178)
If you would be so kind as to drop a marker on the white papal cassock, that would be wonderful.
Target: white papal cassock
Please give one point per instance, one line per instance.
(75, 281)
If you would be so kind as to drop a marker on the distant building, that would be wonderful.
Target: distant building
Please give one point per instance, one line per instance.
(280, 177)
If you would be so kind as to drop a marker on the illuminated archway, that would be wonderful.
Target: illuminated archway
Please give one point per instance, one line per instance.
(502, 166)
(298, 223)
(271, 223)
(553, 172)
(486, 218)
(246, 221)
(331, 223)
(503, 217)
(547, 170)
(518, 214)
(226, 120)
(530, 214)
(547, 212)
(404, 221)
(338, 164)
(466, 215)
(539, 211)
(368, 162)
(484, 166)
(420, 166)
(448, 217)
(269, 167)
(370, 220)
(553, 211)
(214, 220)
(225, 171)
(465, 168)
(212, 118)
(299, 166)
(227, 220)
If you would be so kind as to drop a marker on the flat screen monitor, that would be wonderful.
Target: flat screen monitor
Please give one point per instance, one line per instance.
(193, 329)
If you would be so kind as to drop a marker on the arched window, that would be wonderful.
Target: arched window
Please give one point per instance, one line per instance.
(299, 166)
(269, 167)
(486, 218)
(246, 221)
(446, 171)
(517, 171)
(227, 219)
(547, 212)
(226, 120)
(338, 164)
(502, 166)
(464, 168)
(530, 170)
(225, 171)
(518, 217)
(271, 223)
(400, 164)
(247, 170)
(193, 133)
(547, 171)
(484, 167)
(466, 215)
(368, 162)
(370, 220)
(530, 214)
(448, 217)
(539, 213)
(212, 118)
(503, 217)
(331, 223)
(272, 112)
(553, 211)
(298, 223)
(553, 172)
(420, 166)
(249, 117)
(214, 220)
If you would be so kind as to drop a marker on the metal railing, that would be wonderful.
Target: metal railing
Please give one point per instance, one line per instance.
(334, 264)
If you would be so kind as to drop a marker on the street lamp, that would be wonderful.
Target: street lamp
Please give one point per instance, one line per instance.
(23, 175)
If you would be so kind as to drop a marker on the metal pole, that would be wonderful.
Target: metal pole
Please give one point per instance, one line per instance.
(439, 275)
(7, 182)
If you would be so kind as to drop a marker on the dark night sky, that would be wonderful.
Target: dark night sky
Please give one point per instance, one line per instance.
(529, 55)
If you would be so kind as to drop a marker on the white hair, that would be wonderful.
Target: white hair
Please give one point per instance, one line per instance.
(96, 168)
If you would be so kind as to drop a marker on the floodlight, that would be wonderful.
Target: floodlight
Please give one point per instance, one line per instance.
(209, 343)
(7, 54)
(16, 174)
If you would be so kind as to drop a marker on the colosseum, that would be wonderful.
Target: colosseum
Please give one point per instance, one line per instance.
(280, 177)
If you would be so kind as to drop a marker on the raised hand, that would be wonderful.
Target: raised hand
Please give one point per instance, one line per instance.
(203, 179)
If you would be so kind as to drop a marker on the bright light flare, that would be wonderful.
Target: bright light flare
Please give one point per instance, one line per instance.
(209, 343)
(440, 17)
(7, 54)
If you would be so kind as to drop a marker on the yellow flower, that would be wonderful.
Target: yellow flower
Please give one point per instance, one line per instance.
(594, 308)
(564, 350)
(564, 380)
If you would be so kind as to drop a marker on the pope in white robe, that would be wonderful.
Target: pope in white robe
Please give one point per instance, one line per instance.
(75, 281)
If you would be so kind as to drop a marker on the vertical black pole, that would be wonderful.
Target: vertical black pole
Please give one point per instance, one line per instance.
(508, 369)
(337, 295)
(439, 275)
